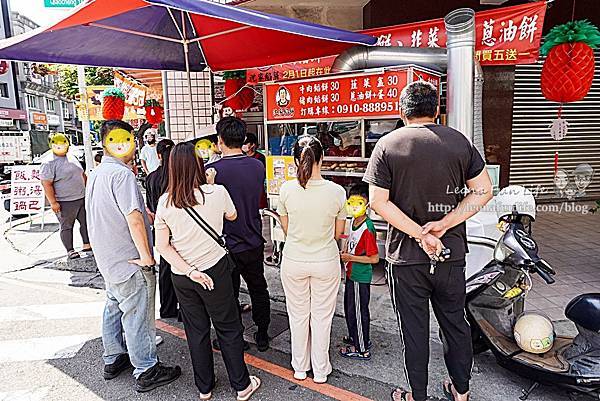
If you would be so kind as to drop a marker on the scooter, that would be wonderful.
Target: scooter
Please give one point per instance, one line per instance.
(496, 296)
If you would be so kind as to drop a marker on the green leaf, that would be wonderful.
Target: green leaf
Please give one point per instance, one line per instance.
(571, 32)
(113, 92)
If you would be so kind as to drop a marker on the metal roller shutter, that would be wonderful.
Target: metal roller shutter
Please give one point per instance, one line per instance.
(532, 153)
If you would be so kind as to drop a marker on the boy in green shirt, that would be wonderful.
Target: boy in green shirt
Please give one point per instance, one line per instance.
(360, 254)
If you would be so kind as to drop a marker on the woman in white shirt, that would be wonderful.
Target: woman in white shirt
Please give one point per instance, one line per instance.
(201, 271)
(313, 216)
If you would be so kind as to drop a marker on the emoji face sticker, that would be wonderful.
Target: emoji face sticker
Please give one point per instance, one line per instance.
(356, 206)
(59, 144)
(203, 149)
(119, 143)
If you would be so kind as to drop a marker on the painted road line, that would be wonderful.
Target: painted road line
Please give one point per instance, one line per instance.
(48, 289)
(53, 311)
(326, 389)
(36, 394)
(43, 348)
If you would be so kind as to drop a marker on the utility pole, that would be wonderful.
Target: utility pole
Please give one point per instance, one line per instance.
(85, 123)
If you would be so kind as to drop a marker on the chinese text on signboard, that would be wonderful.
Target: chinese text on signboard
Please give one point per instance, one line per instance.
(10, 149)
(357, 96)
(503, 36)
(27, 193)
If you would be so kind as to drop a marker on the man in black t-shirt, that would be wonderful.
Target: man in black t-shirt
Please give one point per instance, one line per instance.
(425, 181)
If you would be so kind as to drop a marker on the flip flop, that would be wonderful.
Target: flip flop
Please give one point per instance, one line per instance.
(255, 383)
(403, 394)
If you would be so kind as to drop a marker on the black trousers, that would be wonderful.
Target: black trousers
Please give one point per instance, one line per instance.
(411, 288)
(168, 298)
(69, 212)
(249, 265)
(356, 308)
(199, 307)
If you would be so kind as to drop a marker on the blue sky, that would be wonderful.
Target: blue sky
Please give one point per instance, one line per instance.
(35, 10)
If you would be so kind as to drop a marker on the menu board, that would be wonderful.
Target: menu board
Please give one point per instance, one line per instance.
(367, 95)
(27, 193)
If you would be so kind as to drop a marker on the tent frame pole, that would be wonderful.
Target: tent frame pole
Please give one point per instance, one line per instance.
(186, 51)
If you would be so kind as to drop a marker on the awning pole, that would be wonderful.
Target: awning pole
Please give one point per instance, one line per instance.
(85, 123)
(186, 51)
(189, 85)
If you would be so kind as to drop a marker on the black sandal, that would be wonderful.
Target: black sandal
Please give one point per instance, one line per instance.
(347, 352)
(448, 391)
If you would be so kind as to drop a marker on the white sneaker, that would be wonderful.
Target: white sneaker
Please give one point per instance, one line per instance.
(158, 340)
(300, 375)
(320, 380)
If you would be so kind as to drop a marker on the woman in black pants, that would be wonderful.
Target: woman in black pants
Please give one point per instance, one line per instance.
(201, 270)
(156, 185)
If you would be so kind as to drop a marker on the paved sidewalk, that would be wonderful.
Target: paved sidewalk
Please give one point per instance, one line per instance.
(568, 242)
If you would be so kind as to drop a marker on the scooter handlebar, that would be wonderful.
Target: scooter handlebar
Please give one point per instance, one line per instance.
(545, 276)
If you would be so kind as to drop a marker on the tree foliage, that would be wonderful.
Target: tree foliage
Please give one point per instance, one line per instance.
(67, 82)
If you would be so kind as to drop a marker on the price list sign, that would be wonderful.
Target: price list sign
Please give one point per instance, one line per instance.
(366, 95)
(27, 193)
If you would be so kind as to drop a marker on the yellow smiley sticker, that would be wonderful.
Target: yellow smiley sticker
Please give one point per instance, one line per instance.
(356, 206)
(119, 143)
(59, 143)
(203, 149)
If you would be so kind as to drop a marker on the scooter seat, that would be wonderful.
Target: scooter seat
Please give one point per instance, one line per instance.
(584, 310)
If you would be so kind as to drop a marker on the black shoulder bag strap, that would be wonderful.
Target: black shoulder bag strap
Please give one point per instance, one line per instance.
(219, 239)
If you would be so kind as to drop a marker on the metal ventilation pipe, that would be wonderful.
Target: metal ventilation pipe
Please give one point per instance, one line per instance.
(363, 57)
(457, 58)
(478, 110)
(460, 27)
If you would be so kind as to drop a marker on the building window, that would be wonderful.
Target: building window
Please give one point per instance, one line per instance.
(32, 101)
(50, 105)
(3, 90)
(65, 109)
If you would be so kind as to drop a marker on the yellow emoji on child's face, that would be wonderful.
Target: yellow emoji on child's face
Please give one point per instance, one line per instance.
(59, 144)
(203, 149)
(119, 143)
(356, 206)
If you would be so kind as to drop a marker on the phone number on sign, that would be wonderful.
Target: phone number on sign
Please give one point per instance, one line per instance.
(373, 107)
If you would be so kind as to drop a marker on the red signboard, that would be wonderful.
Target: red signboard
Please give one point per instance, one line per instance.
(13, 114)
(367, 95)
(503, 36)
(509, 35)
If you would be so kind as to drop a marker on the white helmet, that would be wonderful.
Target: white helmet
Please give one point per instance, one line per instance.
(534, 333)
(515, 198)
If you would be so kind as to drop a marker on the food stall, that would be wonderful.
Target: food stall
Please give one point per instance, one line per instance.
(348, 112)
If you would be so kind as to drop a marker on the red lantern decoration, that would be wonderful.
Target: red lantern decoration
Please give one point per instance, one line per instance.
(154, 113)
(113, 104)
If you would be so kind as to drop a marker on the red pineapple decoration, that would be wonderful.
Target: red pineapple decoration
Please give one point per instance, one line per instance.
(235, 84)
(113, 104)
(569, 66)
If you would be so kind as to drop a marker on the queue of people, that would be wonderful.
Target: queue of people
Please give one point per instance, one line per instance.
(208, 231)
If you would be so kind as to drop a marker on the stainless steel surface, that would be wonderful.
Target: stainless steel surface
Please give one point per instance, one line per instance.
(478, 110)
(460, 26)
(362, 58)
